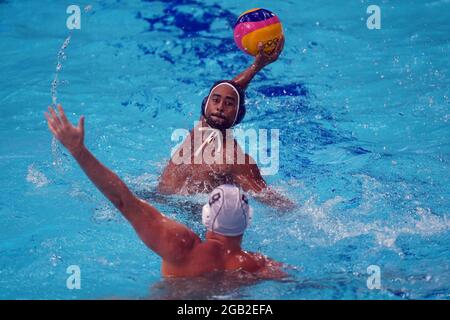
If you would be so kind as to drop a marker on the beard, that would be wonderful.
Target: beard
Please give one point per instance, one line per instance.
(218, 121)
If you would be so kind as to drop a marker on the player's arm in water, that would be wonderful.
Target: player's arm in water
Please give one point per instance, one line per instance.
(262, 59)
(169, 239)
(249, 178)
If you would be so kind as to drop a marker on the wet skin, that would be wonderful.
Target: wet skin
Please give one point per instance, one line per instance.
(182, 251)
(200, 177)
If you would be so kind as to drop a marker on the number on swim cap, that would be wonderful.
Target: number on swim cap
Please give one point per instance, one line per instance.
(214, 198)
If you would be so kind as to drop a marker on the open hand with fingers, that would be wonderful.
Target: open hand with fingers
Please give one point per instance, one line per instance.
(70, 136)
(264, 58)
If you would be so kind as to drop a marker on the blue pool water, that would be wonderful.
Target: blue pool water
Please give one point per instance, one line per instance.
(364, 145)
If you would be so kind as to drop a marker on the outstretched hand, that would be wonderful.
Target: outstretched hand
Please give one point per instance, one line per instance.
(70, 136)
(263, 58)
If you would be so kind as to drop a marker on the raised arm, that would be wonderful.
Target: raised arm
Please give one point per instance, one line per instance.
(262, 59)
(169, 239)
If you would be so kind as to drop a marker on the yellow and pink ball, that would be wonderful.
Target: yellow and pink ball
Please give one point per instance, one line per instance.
(257, 25)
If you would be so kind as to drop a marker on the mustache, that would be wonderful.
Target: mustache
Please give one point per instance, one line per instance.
(219, 115)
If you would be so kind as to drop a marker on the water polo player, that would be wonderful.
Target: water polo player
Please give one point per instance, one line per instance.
(226, 216)
(223, 108)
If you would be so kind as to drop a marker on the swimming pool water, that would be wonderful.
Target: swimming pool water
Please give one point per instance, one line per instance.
(364, 145)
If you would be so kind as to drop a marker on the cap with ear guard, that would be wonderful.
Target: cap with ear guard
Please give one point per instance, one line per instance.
(241, 104)
(227, 211)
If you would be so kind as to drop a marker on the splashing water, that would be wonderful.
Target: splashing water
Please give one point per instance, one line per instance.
(61, 57)
(36, 177)
(364, 158)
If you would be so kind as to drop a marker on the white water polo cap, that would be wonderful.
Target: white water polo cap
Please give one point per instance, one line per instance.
(227, 211)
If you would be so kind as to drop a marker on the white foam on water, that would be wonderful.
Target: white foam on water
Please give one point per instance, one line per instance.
(36, 177)
(146, 181)
(105, 213)
(323, 217)
(369, 198)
